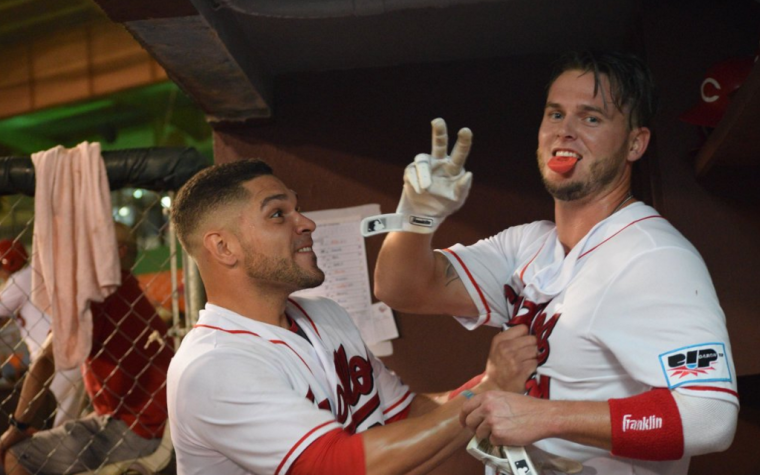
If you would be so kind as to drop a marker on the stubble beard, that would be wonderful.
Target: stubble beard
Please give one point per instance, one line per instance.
(601, 174)
(282, 271)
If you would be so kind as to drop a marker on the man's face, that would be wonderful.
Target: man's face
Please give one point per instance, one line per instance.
(276, 237)
(587, 127)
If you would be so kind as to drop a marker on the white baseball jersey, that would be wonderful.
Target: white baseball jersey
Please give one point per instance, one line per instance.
(15, 302)
(630, 308)
(34, 326)
(246, 397)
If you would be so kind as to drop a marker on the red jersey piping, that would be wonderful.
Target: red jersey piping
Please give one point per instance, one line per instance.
(295, 446)
(236, 332)
(477, 287)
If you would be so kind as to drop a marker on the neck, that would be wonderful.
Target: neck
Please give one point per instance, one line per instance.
(575, 219)
(266, 305)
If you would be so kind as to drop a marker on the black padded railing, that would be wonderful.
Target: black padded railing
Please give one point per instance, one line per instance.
(155, 169)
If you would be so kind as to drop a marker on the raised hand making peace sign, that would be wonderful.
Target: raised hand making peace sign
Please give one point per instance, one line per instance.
(435, 186)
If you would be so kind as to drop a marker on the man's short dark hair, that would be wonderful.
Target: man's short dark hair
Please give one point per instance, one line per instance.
(211, 189)
(631, 82)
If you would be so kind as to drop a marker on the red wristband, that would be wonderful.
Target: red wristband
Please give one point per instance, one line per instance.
(647, 426)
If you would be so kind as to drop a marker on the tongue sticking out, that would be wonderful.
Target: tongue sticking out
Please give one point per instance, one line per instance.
(562, 165)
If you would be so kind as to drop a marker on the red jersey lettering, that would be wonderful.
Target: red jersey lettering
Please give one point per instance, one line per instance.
(525, 312)
(356, 380)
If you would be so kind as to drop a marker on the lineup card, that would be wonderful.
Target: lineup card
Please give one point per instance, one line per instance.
(341, 254)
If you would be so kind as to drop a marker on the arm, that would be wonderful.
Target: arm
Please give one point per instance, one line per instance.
(409, 276)
(35, 384)
(420, 443)
(657, 425)
(432, 432)
(411, 446)
(12, 297)
(514, 419)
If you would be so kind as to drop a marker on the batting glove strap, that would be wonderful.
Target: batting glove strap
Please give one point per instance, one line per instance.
(505, 460)
(386, 223)
(512, 460)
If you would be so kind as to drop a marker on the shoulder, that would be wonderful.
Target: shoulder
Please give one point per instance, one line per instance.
(209, 361)
(20, 281)
(529, 231)
(328, 318)
(514, 237)
(644, 231)
(515, 242)
(317, 308)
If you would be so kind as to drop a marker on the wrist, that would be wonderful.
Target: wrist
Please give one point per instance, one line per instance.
(18, 425)
(412, 204)
(398, 222)
(485, 384)
(467, 387)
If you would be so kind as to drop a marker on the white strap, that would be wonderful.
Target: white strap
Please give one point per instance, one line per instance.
(512, 460)
(386, 223)
(518, 460)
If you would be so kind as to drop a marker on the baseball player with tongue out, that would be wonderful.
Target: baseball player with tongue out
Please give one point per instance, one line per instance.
(635, 374)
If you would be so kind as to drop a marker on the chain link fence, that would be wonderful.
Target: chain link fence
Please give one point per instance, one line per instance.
(135, 332)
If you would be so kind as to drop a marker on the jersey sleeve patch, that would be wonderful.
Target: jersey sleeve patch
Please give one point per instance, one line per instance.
(702, 363)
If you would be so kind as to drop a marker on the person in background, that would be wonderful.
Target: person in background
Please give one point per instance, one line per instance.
(16, 308)
(125, 379)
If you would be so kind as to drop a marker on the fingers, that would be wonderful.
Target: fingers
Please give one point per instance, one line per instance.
(477, 414)
(473, 418)
(514, 332)
(468, 408)
(440, 138)
(422, 176)
(441, 142)
(513, 357)
(460, 152)
(516, 338)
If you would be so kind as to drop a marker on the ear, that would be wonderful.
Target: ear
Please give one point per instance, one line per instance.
(221, 247)
(638, 143)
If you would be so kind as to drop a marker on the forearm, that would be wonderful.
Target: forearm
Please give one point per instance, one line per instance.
(589, 423)
(418, 444)
(582, 422)
(405, 268)
(411, 277)
(36, 381)
(425, 403)
(515, 419)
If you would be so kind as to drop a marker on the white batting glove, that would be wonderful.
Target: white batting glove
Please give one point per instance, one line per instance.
(435, 186)
(520, 460)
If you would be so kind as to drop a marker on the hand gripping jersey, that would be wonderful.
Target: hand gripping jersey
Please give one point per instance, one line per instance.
(630, 308)
(246, 397)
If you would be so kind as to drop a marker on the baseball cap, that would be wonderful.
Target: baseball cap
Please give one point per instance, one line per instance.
(13, 256)
(720, 84)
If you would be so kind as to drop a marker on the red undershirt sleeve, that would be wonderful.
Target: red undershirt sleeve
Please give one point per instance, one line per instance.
(335, 453)
(400, 416)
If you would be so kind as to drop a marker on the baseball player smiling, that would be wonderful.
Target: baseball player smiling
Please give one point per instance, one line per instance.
(634, 373)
